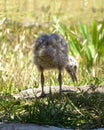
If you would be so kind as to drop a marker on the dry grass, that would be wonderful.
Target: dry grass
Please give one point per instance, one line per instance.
(43, 11)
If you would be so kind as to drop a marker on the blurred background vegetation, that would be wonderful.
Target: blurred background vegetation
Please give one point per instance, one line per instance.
(80, 22)
(43, 11)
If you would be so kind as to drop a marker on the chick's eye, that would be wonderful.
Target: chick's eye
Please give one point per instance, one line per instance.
(75, 68)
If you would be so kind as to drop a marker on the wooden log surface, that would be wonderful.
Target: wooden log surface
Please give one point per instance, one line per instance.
(36, 92)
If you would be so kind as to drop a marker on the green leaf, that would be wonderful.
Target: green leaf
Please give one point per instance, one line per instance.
(75, 45)
(95, 35)
(83, 29)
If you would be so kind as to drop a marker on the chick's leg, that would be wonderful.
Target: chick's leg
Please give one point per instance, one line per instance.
(42, 85)
(60, 81)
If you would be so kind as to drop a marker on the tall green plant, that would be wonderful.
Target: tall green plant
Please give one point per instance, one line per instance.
(86, 43)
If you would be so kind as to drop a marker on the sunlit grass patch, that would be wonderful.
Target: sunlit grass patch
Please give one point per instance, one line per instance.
(18, 71)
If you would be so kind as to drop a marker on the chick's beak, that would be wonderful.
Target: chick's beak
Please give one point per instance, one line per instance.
(72, 72)
(73, 75)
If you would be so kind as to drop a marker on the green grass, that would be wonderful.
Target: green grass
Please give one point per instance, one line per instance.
(75, 110)
(84, 35)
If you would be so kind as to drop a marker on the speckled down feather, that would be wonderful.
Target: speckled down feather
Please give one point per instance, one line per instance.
(50, 51)
(72, 63)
